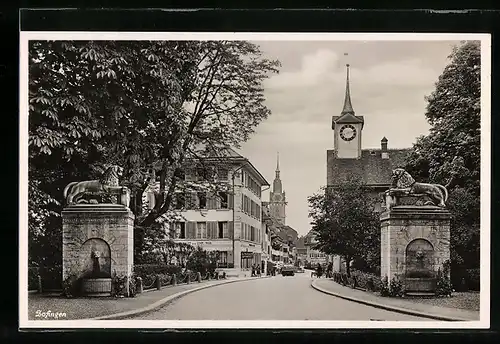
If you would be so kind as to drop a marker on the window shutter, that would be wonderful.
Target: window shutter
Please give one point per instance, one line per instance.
(211, 230)
(230, 201)
(230, 229)
(190, 230)
(210, 200)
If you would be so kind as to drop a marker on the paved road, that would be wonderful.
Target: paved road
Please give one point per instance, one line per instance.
(275, 298)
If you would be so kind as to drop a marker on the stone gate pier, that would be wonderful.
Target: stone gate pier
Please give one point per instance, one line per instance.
(415, 242)
(97, 245)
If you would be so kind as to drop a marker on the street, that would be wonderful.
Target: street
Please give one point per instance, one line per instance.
(275, 298)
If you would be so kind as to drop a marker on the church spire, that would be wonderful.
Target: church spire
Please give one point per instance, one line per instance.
(278, 166)
(277, 187)
(347, 101)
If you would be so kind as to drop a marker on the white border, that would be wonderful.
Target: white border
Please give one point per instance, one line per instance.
(484, 321)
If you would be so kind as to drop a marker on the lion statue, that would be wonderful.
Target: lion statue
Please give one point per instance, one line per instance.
(107, 184)
(405, 183)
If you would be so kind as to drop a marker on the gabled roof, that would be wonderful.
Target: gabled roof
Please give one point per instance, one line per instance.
(371, 167)
(230, 155)
(347, 118)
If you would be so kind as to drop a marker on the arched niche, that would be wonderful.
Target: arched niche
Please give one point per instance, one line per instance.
(95, 257)
(419, 259)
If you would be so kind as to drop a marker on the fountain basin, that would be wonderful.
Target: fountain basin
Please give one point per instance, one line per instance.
(96, 286)
(420, 284)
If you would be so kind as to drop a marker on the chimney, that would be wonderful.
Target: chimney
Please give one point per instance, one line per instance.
(383, 144)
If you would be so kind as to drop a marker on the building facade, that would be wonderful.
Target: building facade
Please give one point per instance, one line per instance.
(228, 220)
(313, 256)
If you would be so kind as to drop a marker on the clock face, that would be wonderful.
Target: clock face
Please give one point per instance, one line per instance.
(277, 198)
(348, 132)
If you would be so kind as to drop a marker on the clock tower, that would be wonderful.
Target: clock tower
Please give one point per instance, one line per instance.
(347, 129)
(277, 201)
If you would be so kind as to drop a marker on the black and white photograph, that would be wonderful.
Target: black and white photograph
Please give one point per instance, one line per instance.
(254, 180)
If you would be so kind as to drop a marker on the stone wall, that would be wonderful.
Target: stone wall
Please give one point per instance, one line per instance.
(404, 224)
(87, 227)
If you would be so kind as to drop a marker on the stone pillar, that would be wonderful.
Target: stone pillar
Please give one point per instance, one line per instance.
(105, 228)
(402, 226)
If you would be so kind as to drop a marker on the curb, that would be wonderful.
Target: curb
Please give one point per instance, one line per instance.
(169, 299)
(389, 308)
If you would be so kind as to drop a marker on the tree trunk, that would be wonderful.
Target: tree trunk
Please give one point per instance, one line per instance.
(348, 266)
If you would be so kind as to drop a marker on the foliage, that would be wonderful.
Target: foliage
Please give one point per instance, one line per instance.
(119, 285)
(71, 286)
(384, 287)
(33, 278)
(473, 279)
(396, 288)
(203, 261)
(393, 289)
(450, 154)
(137, 104)
(443, 285)
(366, 281)
(345, 222)
(146, 269)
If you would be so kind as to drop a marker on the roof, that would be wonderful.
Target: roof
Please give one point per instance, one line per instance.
(371, 168)
(347, 118)
(300, 242)
(233, 156)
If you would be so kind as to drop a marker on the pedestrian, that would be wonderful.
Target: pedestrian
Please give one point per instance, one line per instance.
(319, 270)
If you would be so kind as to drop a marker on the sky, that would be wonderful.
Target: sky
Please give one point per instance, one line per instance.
(388, 82)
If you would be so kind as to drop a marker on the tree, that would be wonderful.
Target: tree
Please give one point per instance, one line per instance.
(139, 104)
(450, 154)
(345, 222)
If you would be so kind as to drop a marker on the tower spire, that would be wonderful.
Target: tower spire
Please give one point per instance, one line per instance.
(347, 101)
(277, 187)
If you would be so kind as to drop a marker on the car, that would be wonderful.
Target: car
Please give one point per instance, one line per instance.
(299, 269)
(288, 270)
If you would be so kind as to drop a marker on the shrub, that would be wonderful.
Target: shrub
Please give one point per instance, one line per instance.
(33, 278)
(473, 279)
(384, 287)
(443, 285)
(365, 280)
(51, 277)
(118, 285)
(144, 270)
(71, 286)
(396, 288)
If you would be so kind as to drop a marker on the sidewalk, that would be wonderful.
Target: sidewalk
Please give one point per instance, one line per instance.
(94, 307)
(406, 306)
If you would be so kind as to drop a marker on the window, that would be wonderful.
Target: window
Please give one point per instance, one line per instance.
(223, 200)
(252, 233)
(180, 230)
(222, 173)
(223, 257)
(202, 197)
(223, 233)
(201, 230)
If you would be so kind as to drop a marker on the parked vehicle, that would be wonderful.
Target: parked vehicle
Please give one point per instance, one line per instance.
(288, 270)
